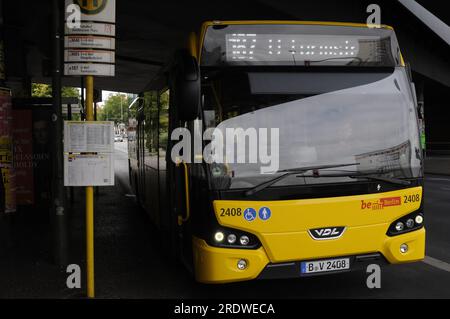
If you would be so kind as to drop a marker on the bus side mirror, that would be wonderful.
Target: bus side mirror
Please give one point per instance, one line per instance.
(187, 86)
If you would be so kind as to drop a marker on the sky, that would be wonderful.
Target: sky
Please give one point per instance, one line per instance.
(105, 96)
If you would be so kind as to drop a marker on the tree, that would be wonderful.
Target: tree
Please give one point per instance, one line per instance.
(45, 90)
(41, 90)
(70, 92)
(115, 108)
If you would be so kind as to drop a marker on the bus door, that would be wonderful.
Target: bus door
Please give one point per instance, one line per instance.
(151, 156)
(140, 156)
(176, 173)
(163, 159)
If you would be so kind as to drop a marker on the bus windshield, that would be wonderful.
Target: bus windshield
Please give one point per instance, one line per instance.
(323, 118)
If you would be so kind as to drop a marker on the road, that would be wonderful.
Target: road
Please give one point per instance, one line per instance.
(427, 279)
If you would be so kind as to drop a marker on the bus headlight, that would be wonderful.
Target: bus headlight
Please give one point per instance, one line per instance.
(244, 240)
(219, 236)
(406, 224)
(410, 223)
(419, 219)
(233, 238)
(399, 226)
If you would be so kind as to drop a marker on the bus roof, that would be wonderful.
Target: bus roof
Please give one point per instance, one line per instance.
(330, 23)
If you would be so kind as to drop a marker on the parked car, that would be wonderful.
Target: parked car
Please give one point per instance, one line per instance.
(118, 138)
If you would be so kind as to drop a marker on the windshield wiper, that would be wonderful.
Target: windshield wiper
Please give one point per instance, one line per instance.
(370, 176)
(289, 172)
(391, 180)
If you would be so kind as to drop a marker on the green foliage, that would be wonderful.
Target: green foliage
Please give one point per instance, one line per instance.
(151, 122)
(70, 92)
(156, 128)
(115, 108)
(45, 90)
(164, 120)
(41, 90)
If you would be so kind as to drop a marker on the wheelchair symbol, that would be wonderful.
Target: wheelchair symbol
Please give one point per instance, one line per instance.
(250, 214)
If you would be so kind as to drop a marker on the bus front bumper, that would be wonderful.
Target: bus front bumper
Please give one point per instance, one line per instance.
(220, 265)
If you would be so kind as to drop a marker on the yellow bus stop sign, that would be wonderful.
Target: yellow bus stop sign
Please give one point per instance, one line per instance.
(91, 6)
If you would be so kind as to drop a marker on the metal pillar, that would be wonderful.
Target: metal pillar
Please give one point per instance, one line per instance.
(59, 214)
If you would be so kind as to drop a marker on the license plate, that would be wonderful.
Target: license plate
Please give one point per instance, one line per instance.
(309, 267)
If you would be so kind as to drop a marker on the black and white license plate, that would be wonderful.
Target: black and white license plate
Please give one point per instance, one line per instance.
(309, 267)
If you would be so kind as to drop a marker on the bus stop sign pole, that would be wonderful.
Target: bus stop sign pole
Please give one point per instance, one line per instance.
(77, 64)
(90, 199)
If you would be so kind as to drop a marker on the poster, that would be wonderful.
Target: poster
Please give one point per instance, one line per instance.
(23, 156)
(88, 137)
(6, 152)
(32, 162)
(42, 159)
(88, 170)
(2, 61)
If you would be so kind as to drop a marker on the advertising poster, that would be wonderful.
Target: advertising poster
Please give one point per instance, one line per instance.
(31, 135)
(42, 161)
(2, 61)
(23, 156)
(6, 151)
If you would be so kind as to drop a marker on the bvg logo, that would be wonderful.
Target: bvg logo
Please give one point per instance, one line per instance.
(381, 203)
(91, 6)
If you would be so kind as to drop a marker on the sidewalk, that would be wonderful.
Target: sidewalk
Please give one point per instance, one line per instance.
(127, 258)
(26, 268)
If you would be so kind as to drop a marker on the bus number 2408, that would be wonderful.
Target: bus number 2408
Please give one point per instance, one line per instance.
(230, 212)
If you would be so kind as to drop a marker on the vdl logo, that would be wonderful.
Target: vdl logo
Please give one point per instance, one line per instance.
(91, 6)
(326, 233)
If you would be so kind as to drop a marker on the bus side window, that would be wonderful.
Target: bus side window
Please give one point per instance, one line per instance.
(132, 128)
(163, 128)
(151, 129)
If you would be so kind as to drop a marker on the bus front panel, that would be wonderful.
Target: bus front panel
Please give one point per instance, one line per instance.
(287, 235)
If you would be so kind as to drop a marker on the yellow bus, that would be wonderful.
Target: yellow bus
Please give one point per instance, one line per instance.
(347, 187)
